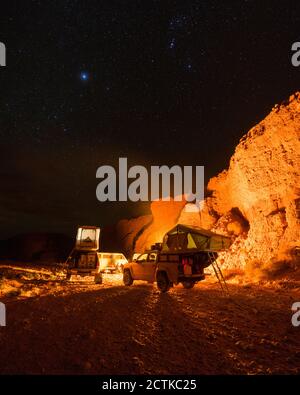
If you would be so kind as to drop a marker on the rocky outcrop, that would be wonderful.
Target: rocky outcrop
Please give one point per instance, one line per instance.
(262, 183)
(165, 215)
(128, 232)
(257, 200)
(138, 234)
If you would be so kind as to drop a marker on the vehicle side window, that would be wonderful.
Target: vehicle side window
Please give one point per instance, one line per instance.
(142, 258)
(152, 257)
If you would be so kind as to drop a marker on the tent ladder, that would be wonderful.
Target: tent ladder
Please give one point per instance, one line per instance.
(218, 272)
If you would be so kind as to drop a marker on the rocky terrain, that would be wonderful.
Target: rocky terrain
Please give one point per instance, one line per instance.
(55, 327)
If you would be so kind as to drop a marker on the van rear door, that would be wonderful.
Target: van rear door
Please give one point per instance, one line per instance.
(87, 238)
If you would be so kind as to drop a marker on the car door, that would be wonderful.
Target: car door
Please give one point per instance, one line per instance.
(138, 268)
(148, 267)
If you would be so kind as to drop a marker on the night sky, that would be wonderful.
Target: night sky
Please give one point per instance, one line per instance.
(159, 82)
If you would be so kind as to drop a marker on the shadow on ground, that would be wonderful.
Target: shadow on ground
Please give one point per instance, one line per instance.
(137, 330)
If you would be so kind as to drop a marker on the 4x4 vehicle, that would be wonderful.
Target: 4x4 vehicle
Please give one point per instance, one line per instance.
(181, 258)
(111, 262)
(167, 269)
(83, 264)
(85, 260)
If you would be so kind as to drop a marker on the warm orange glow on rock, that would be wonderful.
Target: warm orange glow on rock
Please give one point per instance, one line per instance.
(262, 182)
(165, 215)
(257, 200)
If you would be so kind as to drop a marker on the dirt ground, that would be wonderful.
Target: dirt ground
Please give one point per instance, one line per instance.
(54, 327)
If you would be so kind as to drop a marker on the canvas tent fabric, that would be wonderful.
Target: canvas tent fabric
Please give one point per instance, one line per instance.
(186, 238)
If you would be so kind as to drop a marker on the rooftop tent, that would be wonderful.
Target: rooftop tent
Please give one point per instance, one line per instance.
(190, 238)
(87, 238)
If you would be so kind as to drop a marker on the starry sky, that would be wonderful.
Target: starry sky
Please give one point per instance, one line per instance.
(157, 81)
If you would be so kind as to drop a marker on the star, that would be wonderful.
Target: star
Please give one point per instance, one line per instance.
(172, 43)
(189, 66)
(84, 76)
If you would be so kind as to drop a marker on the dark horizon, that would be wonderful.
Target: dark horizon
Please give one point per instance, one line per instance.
(171, 82)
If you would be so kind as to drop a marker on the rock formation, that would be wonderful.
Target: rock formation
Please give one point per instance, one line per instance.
(257, 200)
(262, 184)
(140, 233)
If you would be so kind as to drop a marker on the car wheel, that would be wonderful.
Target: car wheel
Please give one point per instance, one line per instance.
(188, 284)
(163, 283)
(127, 278)
(68, 276)
(98, 278)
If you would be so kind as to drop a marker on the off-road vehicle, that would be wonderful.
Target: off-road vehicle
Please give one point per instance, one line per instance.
(167, 269)
(85, 260)
(111, 262)
(181, 258)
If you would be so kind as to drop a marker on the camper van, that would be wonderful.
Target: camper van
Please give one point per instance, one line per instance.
(86, 260)
(83, 259)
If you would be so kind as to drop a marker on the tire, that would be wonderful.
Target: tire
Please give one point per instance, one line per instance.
(188, 284)
(68, 276)
(127, 278)
(98, 278)
(163, 283)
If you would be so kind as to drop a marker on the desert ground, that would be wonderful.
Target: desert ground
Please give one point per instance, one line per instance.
(59, 327)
